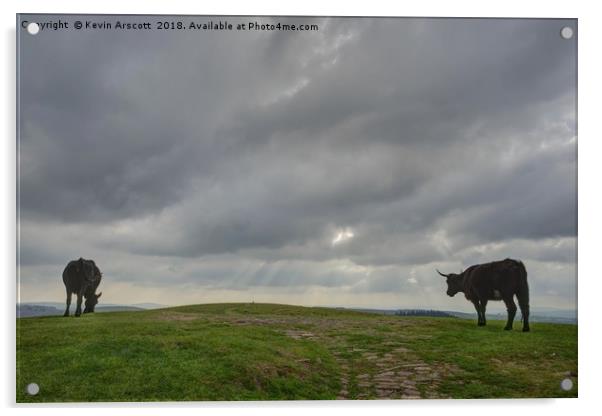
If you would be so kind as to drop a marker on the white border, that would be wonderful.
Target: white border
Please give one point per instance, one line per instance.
(590, 22)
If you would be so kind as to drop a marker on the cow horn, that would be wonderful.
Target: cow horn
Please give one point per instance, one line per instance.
(99, 295)
(444, 275)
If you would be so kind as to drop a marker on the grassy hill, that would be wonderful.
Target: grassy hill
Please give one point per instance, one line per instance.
(281, 352)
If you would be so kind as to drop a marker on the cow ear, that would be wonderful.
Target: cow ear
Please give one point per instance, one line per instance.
(99, 295)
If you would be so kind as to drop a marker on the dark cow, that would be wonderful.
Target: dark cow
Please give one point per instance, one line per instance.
(82, 277)
(498, 280)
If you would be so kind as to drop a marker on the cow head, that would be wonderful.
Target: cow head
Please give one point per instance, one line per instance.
(91, 302)
(455, 283)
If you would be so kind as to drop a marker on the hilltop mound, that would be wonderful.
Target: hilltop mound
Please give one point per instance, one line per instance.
(242, 351)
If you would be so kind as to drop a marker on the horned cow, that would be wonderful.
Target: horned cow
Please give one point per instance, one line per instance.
(498, 280)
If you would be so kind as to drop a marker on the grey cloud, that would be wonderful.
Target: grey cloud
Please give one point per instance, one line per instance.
(435, 141)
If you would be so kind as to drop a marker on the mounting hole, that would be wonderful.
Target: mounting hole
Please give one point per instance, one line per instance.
(566, 384)
(33, 28)
(32, 389)
(566, 32)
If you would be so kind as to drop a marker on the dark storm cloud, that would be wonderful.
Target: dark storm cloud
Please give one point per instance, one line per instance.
(434, 141)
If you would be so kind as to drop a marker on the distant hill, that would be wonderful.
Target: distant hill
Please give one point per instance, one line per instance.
(551, 315)
(404, 312)
(25, 310)
(368, 310)
(562, 317)
(423, 312)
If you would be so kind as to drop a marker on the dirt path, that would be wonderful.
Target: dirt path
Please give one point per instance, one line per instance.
(394, 375)
(379, 369)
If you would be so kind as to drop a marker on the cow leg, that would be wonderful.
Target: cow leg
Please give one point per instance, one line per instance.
(483, 308)
(511, 308)
(78, 310)
(524, 310)
(478, 309)
(68, 303)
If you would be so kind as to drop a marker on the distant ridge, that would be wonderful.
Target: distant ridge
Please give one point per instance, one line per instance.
(551, 315)
(25, 310)
(423, 312)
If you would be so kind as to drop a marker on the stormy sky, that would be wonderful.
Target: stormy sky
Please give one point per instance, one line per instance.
(334, 167)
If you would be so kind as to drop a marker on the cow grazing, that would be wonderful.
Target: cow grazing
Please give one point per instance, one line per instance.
(82, 277)
(498, 280)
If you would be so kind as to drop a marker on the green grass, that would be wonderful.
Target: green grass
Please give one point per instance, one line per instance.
(281, 352)
(497, 363)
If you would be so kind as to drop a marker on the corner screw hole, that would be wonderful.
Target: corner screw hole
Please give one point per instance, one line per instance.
(566, 384)
(33, 389)
(33, 28)
(566, 32)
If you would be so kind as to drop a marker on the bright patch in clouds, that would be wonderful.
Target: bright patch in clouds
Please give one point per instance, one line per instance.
(342, 235)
